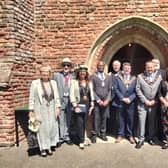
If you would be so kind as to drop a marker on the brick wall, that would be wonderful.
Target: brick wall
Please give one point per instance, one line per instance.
(33, 32)
(16, 43)
(68, 28)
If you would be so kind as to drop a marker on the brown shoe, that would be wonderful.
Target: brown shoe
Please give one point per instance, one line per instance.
(118, 140)
(131, 140)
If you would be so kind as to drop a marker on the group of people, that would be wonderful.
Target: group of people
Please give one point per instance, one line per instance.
(63, 101)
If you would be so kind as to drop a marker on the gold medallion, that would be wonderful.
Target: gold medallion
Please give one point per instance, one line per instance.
(84, 97)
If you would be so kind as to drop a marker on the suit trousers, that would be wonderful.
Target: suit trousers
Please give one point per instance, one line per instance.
(99, 120)
(112, 121)
(147, 115)
(125, 120)
(64, 123)
(165, 123)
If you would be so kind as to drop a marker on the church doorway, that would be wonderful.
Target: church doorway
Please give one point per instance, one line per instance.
(136, 39)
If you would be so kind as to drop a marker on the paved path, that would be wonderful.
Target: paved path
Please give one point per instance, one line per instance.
(100, 155)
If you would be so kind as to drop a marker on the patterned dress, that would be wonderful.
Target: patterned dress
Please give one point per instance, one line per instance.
(43, 101)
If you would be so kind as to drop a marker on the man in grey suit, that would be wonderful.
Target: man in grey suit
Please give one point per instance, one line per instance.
(102, 93)
(63, 82)
(147, 88)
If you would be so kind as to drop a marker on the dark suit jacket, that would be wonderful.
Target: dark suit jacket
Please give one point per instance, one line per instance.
(162, 89)
(163, 74)
(112, 75)
(122, 91)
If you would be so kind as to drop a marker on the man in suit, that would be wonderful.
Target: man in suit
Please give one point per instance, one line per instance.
(147, 88)
(157, 68)
(124, 87)
(116, 65)
(63, 82)
(102, 93)
(113, 117)
(159, 126)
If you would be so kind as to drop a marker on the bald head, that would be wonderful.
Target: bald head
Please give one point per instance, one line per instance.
(156, 63)
(100, 66)
(116, 65)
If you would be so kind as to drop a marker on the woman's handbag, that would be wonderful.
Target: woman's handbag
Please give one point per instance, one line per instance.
(34, 124)
(32, 140)
(82, 108)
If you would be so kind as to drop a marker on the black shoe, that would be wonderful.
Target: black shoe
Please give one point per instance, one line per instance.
(69, 142)
(151, 142)
(165, 146)
(43, 153)
(93, 139)
(139, 144)
(103, 137)
(59, 144)
(53, 149)
(49, 152)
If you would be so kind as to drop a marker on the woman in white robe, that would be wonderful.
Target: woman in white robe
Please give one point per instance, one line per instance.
(44, 106)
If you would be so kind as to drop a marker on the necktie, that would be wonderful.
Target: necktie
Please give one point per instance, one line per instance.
(150, 78)
(102, 79)
(66, 78)
(102, 76)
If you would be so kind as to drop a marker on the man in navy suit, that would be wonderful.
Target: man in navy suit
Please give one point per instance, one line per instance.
(113, 117)
(124, 87)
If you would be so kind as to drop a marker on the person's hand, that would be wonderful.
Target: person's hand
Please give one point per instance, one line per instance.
(90, 110)
(125, 100)
(101, 103)
(148, 103)
(165, 104)
(128, 101)
(105, 103)
(77, 110)
(31, 114)
(57, 111)
(153, 102)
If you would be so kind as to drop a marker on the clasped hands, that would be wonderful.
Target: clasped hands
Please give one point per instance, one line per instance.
(126, 100)
(150, 102)
(103, 103)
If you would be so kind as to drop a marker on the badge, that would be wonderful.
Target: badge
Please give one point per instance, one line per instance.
(66, 94)
(102, 83)
(85, 98)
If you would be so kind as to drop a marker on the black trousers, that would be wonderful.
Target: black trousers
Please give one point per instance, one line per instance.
(99, 120)
(112, 121)
(78, 127)
(165, 123)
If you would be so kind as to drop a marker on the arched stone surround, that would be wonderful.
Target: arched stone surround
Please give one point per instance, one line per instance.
(133, 29)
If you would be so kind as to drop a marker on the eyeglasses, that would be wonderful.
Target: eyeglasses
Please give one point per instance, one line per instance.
(68, 65)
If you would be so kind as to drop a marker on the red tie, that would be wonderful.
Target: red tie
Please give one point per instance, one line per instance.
(66, 78)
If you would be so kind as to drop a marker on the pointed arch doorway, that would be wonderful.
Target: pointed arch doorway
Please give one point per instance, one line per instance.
(141, 36)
